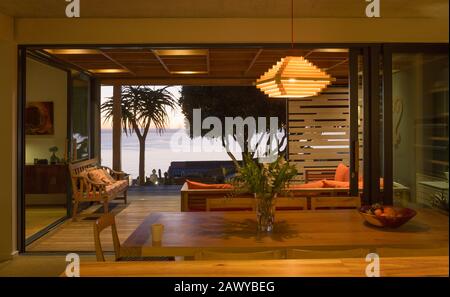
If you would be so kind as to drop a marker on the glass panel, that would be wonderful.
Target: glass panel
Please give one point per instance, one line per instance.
(80, 119)
(382, 123)
(45, 176)
(106, 129)
(360, 152)
(420, 129)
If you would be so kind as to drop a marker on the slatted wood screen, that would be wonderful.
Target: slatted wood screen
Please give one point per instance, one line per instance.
(319, 130)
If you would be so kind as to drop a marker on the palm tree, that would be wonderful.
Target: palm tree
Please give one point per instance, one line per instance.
(142, 106)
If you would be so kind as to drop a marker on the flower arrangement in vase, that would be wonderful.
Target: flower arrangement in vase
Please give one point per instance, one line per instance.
(266, 181)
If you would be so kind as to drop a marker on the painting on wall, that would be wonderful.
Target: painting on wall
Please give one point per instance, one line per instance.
(39, 118)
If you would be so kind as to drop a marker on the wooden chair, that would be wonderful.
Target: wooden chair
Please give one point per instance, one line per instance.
(335, 202)
(327, 254)
(291, 203)
(227, 204)
(213, 255)
(105, 221)
(108, 220)
(84, 189)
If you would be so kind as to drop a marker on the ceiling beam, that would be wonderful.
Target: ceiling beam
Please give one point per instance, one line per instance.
(179, 81)
(161, 61)
(116, 62)
(255, 58)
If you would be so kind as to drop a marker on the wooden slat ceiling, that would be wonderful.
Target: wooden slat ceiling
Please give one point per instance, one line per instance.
(242, 66)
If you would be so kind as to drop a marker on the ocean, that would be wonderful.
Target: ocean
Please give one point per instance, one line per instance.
(161, 150)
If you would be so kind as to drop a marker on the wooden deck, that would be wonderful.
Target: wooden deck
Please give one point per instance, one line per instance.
(78, 236)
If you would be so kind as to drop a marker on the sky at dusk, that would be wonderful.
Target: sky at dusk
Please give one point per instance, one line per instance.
(176, 120)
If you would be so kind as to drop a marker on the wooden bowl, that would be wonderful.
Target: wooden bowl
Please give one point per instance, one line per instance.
(403, 215)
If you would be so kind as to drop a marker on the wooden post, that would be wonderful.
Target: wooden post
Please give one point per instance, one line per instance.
(117, 127)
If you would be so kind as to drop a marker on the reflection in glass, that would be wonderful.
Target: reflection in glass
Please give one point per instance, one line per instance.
(80, 119)
(420, 129)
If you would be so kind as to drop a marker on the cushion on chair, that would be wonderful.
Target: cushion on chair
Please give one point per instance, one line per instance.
(201, 186)
(311, 185)
(98, 176)
(342, 173)
(117, 187)
(336, 184)
(108, 176)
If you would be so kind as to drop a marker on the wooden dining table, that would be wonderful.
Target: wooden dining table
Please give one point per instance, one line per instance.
(186, 233)
(351, 267)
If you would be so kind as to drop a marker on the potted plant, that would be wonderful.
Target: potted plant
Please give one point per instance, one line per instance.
(266, 181)
(53, 158)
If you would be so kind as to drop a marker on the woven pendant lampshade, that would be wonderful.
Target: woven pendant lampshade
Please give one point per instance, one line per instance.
(293, 77)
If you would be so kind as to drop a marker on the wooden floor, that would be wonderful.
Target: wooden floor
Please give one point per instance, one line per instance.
(39, 217)
(78, 236)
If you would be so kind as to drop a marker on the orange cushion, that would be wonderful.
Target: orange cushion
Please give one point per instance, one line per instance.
(99, 176)
(310, 185)
(336, 184)
(342, 173)
(201, 186)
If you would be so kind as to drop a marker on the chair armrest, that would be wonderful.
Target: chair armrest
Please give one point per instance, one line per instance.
(115, 174)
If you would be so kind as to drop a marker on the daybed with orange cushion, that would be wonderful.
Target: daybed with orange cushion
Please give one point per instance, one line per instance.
(94, 183)
(319, 182)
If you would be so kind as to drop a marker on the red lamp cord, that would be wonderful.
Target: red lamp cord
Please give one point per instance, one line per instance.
(292, 23)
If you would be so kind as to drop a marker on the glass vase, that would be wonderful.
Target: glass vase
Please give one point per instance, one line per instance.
(265, 211)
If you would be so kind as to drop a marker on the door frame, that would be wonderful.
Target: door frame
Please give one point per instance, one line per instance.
(377, 123)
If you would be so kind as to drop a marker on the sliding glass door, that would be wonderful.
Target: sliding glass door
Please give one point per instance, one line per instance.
(45, 178)
(420, 130)
(399, 120)
(55, 116)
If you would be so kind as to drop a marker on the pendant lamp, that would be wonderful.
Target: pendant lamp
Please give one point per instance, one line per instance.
(293, 77)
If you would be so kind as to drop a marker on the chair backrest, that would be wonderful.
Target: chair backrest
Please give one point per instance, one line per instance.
(213, 255)
(327, 254)
(78, 168)
(227, 204)
(291, 203)
(105, 221)
(335, 202)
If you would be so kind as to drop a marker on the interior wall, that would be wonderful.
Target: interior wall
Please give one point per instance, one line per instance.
(230, 30)
(8, 92)
(47, 83)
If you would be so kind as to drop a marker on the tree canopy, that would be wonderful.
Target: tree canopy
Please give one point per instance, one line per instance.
(222, 102)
